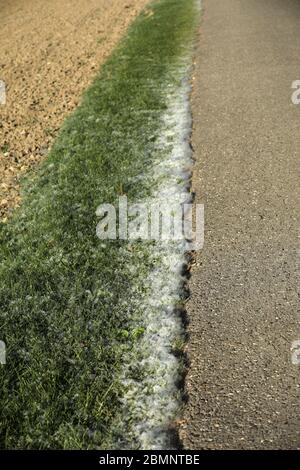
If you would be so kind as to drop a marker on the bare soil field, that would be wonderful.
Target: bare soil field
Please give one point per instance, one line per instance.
(49, 53)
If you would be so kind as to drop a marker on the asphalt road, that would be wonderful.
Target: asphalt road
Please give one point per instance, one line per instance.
(244, 308)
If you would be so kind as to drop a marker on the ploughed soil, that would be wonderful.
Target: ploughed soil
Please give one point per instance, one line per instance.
(49, 53)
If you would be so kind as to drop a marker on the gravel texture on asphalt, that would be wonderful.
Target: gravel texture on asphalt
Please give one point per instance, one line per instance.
(244, 307)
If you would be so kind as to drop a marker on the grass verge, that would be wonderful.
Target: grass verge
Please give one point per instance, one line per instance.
(65, 296)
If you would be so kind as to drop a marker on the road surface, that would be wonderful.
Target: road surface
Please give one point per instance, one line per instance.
(244, 310)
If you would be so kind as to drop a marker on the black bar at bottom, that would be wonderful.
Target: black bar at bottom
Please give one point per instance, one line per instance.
(137, 459)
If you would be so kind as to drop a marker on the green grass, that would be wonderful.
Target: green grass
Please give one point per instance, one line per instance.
(65, 311)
